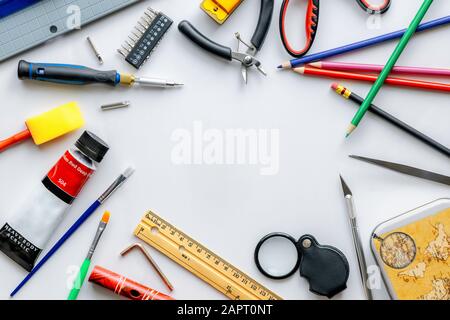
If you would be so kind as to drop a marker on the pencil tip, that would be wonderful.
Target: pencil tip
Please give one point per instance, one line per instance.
(350, 129)
(300, 70)
(285, 65)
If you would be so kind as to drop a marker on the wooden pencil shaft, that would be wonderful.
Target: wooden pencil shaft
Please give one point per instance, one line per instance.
(403, 82)
(402, 125)
(361, 44)
(391, 62)
(360, 67)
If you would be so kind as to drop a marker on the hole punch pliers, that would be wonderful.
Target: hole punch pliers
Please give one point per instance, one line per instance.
(312, 22)
(247, 59)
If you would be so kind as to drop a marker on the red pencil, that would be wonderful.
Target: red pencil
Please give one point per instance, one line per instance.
(372, 78)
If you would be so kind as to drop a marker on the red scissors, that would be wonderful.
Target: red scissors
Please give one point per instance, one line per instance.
(312, 22)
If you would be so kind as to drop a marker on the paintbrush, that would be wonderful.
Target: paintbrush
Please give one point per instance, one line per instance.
(78, 283)
(89, 211)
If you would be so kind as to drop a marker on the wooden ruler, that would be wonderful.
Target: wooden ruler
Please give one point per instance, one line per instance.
(199, 260)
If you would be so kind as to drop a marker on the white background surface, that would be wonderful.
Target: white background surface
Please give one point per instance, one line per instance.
(227, 208)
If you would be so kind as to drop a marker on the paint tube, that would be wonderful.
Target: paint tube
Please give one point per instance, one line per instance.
(30, 227)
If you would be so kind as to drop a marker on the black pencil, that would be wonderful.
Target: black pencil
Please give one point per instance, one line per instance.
(346, 93)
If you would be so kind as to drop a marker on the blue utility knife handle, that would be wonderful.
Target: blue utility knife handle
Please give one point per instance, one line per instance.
(8, 7)
(264, 21)
(65, 74)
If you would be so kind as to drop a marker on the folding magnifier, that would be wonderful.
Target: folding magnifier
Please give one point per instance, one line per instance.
(279, 255)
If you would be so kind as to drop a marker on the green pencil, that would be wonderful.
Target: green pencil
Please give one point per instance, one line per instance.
(389, 65)
(87, 262)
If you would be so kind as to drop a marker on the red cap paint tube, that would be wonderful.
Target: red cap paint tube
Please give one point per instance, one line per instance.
(30, 227)
(125, 287)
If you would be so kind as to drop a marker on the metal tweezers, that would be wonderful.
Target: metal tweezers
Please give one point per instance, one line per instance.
(411, 171)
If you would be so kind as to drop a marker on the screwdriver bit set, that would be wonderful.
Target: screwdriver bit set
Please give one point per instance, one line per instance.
(145, 37)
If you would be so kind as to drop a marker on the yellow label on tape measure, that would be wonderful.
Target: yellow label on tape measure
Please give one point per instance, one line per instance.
(200, 261)
(220, 10)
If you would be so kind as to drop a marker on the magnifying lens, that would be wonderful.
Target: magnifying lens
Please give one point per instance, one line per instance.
(279, 255)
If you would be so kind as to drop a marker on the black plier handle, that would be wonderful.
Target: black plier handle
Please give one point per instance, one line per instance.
(257, 41)
(215, 48)
(247, 59)
(193, 34)
(263, 26)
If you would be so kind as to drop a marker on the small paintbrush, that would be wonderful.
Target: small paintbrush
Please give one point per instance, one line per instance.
(89, 211)
(78, 283)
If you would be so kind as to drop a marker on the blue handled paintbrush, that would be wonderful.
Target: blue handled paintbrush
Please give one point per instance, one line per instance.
(115, 185)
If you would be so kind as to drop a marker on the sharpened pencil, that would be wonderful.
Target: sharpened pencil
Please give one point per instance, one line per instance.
(376, 68)
(81, 220)
(361, 44)
(348, 94)
(388, 67)
(403, 82)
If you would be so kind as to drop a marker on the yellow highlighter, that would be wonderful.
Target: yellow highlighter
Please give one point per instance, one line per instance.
(220, 10)
(48, 126)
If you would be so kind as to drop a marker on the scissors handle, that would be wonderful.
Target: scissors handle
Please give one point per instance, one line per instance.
(372, 9)
(311, 25)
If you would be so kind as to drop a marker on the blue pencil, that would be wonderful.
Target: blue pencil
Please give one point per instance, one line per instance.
(361, 44)
(116, 185)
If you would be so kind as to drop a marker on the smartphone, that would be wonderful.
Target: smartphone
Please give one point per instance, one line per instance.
(413, 252)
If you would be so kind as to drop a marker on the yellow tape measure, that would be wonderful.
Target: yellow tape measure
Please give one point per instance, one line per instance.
(199, 260)
(220, 10)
